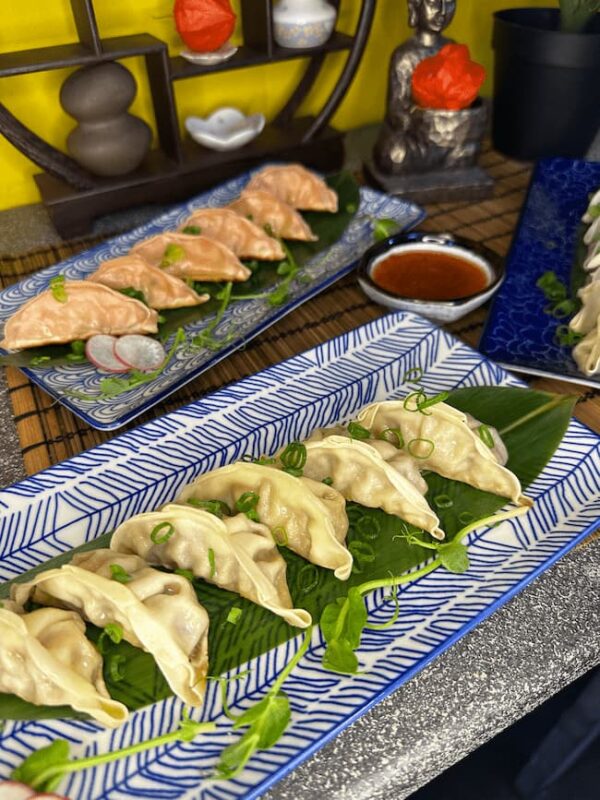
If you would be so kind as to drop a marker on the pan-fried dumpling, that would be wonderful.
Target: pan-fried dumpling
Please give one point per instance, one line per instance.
(446, 444)
(160, 289)
(585, 319)
(158, 612)
(312, 514)
(297, 186)
(593, 232)
(263, 208)
(244, 560)
(46, 660)
(237, 233)
(198, 258)
(398, 459)
(85, 309)
(360, 474)
(587, 352)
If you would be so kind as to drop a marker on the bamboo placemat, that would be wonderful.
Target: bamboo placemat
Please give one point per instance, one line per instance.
(48, 433)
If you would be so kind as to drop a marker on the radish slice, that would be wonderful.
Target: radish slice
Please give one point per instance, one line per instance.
(11, 790)
(100, 350)
(140, 352)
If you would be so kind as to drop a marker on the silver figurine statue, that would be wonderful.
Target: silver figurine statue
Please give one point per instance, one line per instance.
(415, 140)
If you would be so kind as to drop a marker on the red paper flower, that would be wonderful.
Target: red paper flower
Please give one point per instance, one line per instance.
(204, 25)
(448, 79)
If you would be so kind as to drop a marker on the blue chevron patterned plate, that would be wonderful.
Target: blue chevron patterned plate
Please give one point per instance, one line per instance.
(78, 499)
(244, 320)
(518, 334)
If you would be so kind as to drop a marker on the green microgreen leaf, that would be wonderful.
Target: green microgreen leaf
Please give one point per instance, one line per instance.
(454, 556)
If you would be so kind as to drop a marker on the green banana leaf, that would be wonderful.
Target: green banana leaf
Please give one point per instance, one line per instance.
(328, 227)
(533, 424)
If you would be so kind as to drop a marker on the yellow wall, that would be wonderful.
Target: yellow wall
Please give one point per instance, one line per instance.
(34, 98)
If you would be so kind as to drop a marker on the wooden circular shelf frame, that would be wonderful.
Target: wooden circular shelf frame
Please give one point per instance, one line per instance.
(179, 167)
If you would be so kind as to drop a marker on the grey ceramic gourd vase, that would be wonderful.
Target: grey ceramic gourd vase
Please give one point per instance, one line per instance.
(108, 141)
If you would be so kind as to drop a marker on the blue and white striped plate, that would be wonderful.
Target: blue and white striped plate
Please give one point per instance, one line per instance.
(81, 498)
(243, 320)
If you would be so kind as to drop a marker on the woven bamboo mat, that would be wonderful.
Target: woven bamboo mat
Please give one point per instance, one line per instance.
(48, 433)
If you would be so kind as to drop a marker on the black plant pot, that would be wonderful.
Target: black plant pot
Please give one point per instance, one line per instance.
(546, 85)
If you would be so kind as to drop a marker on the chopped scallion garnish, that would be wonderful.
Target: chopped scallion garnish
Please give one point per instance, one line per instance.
(57, 287)
(280, 536)
(421, 448)
(368, 527)
(393, 436)
(443, 501)
(413, 375)
(192, 229)
(162, 532)
(112, 631)
(433, 401)
(212, 563)
(294, 457)
(174, 253)
(234, 615)
(486, 436)
(247, 503)
(358, 431)
(417, 397)
(185, 573)
(328, 481)
(216, 507)
(308, 578)
(115, 667)
(117, 573)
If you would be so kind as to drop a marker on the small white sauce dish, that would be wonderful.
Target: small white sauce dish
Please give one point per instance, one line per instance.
(225, 129)
(443, 311)
(210, 57)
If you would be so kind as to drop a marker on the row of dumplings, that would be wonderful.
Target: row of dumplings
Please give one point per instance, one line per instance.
(224, 528)
(208, 247)
(587, 320)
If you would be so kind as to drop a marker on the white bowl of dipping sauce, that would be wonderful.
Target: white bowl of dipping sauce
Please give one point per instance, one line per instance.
(438, 276)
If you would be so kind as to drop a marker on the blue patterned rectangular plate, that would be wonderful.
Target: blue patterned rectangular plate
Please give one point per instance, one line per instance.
(518, 334)
(245, 319)
(85, 496)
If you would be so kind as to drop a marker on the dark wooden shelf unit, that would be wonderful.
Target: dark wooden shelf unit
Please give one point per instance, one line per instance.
(180, 168)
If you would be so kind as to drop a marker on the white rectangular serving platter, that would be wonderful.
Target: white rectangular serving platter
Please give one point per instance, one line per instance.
(85, 496)
(243, 320)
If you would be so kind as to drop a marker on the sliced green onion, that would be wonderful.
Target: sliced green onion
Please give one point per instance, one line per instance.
(362, 551)
(328, 481)
(167, 531)
(216, 507)
(433, 401)
(368, 527)
(443, 501)
(415, 447)
(357, 431)
(413, 375)
(112, 631)
(247, 503)
(294, 456)
(280, 536)
(185, 573)
(566, 336)
(465, 517)
(129, 291)
(117, 573)
(393, 436)
(193, 229)
(234, 615)
(37, 360)
(308, 578)
(57, 287)
(486, 436)
(263, 461)
(212, 562)
(419, 397)
(115, 665)
(563, 309)
(78, 347)
(172, 255)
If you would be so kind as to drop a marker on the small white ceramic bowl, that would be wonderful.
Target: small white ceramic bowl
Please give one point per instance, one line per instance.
(225, 129)
(443, 311)
(211, 57)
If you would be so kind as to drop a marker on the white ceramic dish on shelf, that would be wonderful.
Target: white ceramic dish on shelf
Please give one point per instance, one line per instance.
(225, 129)
(224, 53)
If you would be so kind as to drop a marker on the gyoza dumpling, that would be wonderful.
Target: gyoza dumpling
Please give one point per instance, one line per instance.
(398, 459)
(587, 316)
(593, 209)
(46, 660)
(244, 560)
(593, 232)
(237, 233)
(312, 514)
(196, 257)
(85, 309)
(587, 352)
(158, 612)
(446, 445)
(263, 208)
(160, 289)
(360, 474)
(297, 186)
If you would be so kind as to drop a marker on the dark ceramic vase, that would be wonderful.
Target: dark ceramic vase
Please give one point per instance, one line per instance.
(546, 85)
(108, 141)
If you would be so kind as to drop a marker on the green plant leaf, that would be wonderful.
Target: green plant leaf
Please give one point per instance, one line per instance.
(39, 761)
(340, 657)
(454, 556)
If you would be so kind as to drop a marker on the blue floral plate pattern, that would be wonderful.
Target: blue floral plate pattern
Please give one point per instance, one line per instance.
(519, 334)
(245, 319)
(75, 501)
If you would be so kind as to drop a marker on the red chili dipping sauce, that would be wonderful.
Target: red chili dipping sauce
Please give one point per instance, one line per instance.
(429, 275)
